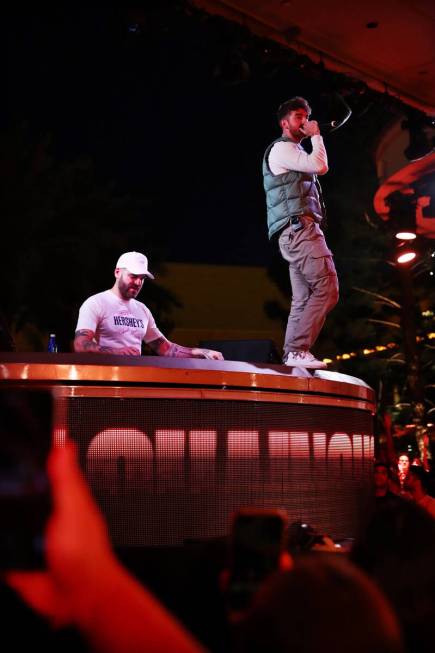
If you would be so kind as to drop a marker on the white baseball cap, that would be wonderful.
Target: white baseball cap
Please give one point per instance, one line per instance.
(134, 262)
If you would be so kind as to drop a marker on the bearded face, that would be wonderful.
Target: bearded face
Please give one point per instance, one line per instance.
(128, 284)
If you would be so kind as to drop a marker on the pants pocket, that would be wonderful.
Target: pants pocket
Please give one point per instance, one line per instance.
(320, 264)
(319, 248)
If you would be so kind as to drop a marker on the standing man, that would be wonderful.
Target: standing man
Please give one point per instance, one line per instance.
(295, 212)
(113, 322)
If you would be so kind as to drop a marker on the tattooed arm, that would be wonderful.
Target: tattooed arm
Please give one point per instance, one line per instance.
(164, 347)
(84, 341)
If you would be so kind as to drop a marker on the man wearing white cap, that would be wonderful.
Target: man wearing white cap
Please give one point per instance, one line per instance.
(113, 322)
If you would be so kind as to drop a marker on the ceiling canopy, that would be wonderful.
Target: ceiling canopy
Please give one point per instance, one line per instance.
(389, 44)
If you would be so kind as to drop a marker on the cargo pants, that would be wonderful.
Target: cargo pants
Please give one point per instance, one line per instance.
(313, 280)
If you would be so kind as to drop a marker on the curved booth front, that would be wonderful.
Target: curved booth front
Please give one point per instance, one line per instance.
(171, 447)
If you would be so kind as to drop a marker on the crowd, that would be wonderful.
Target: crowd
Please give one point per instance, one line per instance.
(311, 595)
(269, 586)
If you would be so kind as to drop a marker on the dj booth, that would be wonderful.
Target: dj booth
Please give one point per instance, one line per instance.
(171, 447)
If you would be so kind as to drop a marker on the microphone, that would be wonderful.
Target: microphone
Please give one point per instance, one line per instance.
(336, 124)
(333, 124)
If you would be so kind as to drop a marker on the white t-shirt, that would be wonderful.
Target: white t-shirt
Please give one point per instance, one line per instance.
(117, 322)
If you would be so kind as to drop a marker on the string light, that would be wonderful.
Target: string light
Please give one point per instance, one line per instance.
(369, 351)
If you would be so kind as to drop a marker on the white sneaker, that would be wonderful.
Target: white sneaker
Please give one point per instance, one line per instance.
(304, 359)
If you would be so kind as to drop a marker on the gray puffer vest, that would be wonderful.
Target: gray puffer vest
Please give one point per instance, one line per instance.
(287, 194)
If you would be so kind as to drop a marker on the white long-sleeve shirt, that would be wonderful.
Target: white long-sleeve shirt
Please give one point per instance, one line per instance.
(286, 155)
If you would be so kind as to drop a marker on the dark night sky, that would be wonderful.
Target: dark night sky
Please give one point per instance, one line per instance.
(179, 110)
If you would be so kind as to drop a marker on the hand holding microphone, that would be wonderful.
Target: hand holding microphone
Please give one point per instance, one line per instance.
(311, 128)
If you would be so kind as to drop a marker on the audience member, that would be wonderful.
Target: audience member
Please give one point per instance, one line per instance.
(403, 465)
(382, 483)
(323, 604)
(85, 586)
(416, 486)
(397, 549)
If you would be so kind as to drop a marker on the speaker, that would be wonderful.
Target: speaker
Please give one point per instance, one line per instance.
(258, 351)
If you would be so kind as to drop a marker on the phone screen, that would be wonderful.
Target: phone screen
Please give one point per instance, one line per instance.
(257, 541)
(25, 499)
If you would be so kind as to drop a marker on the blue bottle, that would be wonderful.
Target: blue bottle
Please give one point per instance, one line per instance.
(52, 344)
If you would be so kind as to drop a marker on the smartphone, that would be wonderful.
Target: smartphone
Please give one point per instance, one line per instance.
(302, 537)
(257, 539)
(26, 423)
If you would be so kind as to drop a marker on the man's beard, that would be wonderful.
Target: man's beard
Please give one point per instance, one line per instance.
(125, 290)
(298, 134)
